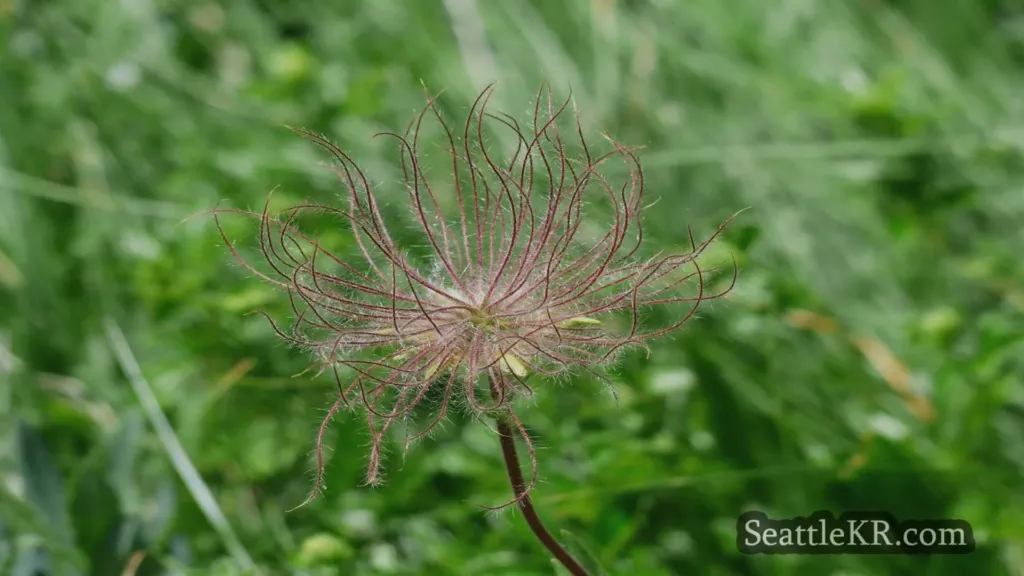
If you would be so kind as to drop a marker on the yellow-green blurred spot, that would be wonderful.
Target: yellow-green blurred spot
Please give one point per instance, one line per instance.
(323, 549)
(718, 254)
(940, 321)
(247, 300)
(290, 62)
(10, 276)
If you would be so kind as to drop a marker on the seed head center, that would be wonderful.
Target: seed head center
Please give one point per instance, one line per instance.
(483, 318)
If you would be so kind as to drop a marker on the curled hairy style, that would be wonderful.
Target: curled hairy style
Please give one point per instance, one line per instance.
(519, 282)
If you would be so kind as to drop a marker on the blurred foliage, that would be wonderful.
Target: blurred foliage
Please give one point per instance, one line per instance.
(870, 358)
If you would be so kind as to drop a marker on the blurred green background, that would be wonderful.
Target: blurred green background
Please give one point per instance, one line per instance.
(870, 357)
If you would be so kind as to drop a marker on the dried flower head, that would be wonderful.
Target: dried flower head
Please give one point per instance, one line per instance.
(518, 283)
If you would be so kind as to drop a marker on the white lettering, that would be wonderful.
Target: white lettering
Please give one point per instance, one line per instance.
(751, 528)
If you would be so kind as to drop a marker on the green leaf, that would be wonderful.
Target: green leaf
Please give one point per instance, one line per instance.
(42, 481)
(45, 511)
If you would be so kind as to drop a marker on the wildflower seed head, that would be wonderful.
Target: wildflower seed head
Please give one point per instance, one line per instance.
(518, 282)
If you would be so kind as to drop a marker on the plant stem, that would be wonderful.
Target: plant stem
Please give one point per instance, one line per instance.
(515, 477)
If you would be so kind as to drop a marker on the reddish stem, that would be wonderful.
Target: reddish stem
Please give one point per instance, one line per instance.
(515, 477)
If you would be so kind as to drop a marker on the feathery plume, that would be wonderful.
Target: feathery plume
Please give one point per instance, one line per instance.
(518, 282)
